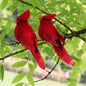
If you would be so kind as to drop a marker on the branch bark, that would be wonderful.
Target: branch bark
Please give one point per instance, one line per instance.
(49, 72)
(76, 34)
(18, 51)
(73, 33)
(12, 54)
(24, 2)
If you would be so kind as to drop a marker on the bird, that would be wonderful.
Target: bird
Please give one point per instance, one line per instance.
(48, 32)
(26, 36)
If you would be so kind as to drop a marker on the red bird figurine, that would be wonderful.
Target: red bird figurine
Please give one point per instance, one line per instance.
(27, 37)
(49, 33)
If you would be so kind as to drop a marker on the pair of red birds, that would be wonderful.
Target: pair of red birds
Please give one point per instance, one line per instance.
(47, 31)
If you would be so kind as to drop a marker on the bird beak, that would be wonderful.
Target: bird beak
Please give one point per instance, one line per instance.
(40, 18)
(16, 21)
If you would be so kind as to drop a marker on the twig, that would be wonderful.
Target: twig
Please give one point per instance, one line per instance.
(24, 2)
(18, 51)
(84, 39)
(12, 54)
(14, 43)
(42, 43)
(63, 24)
(49, 72)
(76, 34)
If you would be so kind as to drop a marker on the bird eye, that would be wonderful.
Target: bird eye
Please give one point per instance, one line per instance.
(44, 18)
(40, 21)
(17, 23)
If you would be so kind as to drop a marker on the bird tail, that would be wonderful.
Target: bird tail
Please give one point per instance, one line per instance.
(39, 59)
(63, 54)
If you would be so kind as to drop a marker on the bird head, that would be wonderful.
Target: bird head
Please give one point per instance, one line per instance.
(47, 17)
(23, 17)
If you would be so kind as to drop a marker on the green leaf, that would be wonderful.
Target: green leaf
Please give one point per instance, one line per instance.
(4, 4)
(83, 66)
(73, 84)
(19, 64)
(79, 53)
(21, 47)
(0, 20)
(75, 58)
(75, 42)
(1, 72)
(19, 84)
(14, 6)
(26, 84)
(11, 32)
(2, 52)
(19, 77)
(3, 43)
(68, 46)
(74, 74)
(32, 67)
(50, 45)
(67, 67)
(49, 51)
(8, 49)
(69, 80)
(52, 4)
(84, 47)
(2, 35)
(32, 58)
(30, 79)
(8, 25)
(83, 35)
(22, 55)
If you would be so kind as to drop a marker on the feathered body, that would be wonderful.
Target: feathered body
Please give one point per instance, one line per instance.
(49, 33)
(27, 37)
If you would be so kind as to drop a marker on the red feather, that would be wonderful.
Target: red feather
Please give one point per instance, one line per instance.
(27, 37)
(48, 32)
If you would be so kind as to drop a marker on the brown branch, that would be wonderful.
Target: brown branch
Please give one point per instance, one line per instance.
(76, 34)
(42, 43)
(24, 2)
(84, 39)
(18, 51)
(14, 43)
(12, 54)
(80, 32)
(63, 24)
(49, 72)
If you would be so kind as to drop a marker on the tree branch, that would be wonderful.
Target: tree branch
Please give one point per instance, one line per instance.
(49, 72)
(18, 51)
(12, 54)
(76, 34)
(24, 2)
(14, 43)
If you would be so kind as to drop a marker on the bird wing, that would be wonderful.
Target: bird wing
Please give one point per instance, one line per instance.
(28, 39)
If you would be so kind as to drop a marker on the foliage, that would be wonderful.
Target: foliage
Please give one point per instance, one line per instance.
(71, 12)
